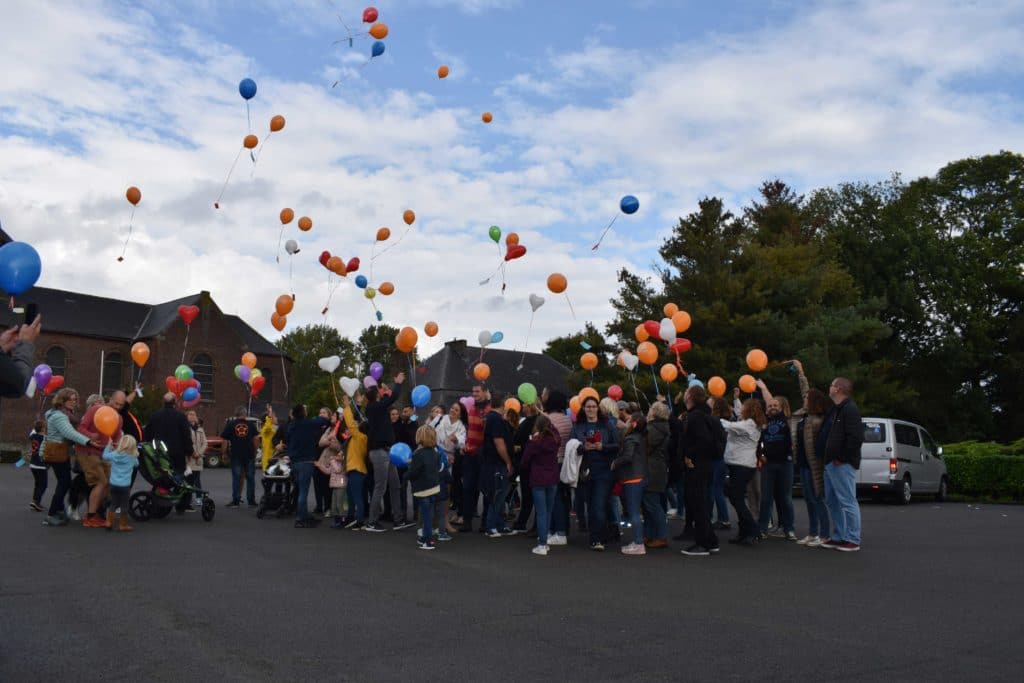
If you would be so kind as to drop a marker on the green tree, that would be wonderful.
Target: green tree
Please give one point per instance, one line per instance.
(568, 350)
(306, 346)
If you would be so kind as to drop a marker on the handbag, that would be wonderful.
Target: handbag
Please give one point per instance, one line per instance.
(55, 451)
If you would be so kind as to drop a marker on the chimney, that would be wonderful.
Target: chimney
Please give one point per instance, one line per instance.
(457, 346)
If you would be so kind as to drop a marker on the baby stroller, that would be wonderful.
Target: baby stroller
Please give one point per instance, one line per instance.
(280, 494)
(169, 490)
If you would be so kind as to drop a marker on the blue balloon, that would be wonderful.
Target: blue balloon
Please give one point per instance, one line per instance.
(361, 281)
(497, 337)
(19, 267)
(400, 454)
(694, 382)
(378, 49)
(380, 316)
(421, 395)
(247, 88)
(629, 204)
(190, 394)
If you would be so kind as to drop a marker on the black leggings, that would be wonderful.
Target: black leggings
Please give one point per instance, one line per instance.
(41, 479)
(61, 470)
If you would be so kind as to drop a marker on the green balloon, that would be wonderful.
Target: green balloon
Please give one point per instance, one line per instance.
(527, 393)
(183, 372)
(495, 233)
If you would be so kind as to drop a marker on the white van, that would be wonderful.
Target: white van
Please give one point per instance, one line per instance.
(901, 459)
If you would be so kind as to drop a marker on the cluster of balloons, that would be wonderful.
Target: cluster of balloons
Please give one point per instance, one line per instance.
(486, 338)
(43, 377)
(513, 249)
(249, 374)
(184, 385)
(282, 307)
(20, 267)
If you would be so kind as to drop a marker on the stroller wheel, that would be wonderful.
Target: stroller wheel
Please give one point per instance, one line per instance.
(140, 506)
(208, 510)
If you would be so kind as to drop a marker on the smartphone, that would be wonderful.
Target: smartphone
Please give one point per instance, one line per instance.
(31, 311)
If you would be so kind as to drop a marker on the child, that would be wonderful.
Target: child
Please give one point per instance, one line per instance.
(123, 461)
(424, 477)
(338, 485)
(36, 464)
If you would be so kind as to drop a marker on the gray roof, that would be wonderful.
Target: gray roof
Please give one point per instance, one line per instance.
(450, 370)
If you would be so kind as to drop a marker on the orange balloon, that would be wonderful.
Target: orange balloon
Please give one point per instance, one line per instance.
(134, 195)
(286, 216)
(442, 71)
(276, 123)
(430, 328)
(588, 361)
(574, 404)
(647, 353)
(669, 372)
(641, 333)
(557, 283)
(406, 339)
(513, 404)
(481, 371)
(669, 310)
(716, 386)
(278, 321)
(747, 384)
(511, 239)
(589, 392)
(383, 234)
(386, 288)
(250, 141)
(333, 263)
(284, 304)
(409, 216)
(305, 224)
(106, 420)
(249, 359)
(681, 321)
(140, 353)
(757, 360)
(487, 118)
(379, 30)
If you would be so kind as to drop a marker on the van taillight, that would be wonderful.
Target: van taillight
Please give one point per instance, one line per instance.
(892, 465)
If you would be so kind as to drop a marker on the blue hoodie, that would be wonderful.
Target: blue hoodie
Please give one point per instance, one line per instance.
(121, 466)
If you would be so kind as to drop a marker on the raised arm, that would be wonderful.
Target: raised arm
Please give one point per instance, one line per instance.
(765, 394)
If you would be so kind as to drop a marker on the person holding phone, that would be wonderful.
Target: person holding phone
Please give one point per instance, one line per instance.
(18, 348)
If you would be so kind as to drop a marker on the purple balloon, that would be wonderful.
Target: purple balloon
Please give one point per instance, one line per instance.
(42, 373)
(376, 370)
(243, 373)
(369, 382)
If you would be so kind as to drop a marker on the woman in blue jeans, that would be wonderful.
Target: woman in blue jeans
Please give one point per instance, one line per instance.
(600, 446)
(812, 468)
(631, 469)
(540, 463)
(61, 435)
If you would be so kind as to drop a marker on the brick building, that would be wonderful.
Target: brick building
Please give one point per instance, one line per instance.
(88, 340)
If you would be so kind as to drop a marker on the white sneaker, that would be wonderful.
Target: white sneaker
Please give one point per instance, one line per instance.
(540, 550)
(557, 539)
(805, 540)
(76, 515)
(815, 542)
(634, 549)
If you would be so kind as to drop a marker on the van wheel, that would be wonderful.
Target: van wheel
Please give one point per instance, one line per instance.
(212, 461)
(943, 491)
(905, 492)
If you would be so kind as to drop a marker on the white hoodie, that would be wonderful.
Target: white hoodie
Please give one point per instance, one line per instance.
(741, 442)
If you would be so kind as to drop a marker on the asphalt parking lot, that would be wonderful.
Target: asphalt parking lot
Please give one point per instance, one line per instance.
(935, 594)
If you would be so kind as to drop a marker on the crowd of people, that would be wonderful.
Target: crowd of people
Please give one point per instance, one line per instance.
(621, 471)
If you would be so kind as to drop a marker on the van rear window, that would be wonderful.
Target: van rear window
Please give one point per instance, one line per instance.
(874, 432)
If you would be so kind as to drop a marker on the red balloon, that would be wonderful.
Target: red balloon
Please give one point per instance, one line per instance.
(324, 257)
(352, 265)
(257, 385)
(174, 385)
(615, 392)
(55, 383)
(681, 345)
(190, 383)
(653, 329)
(515, 251)
(369, 15)
(188, 313)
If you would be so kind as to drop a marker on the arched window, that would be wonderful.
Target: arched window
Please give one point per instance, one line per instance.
(267, 395)
(57, 359)
(202, 367)
(113, 373)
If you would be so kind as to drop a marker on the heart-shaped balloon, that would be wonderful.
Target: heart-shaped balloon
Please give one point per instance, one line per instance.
(188, 313)
(515, 251)
(55, 383)
(350, 385)
(629, 361)
(654, 329)
(329, 364)
(681, 345)
(536, 301)
(352, 265)
(667, 329)
(325, 256)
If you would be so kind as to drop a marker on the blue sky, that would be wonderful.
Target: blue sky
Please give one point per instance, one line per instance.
(670, 101)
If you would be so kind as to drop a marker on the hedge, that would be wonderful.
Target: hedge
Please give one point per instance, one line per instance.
(999, 476)
(985, 448)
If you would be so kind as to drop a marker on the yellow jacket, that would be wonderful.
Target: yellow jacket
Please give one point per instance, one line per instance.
(267, 435)
(355, 456)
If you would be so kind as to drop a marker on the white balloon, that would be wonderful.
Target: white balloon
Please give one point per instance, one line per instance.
(667, 330)
(629, 360)
(349, 385)
(291, 246)
(484, 337)
(329, 364)
(536, 302)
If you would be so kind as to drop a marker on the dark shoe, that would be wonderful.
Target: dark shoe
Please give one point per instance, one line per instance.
(656, 543)
(300, 524)
(696, 551)
(831, 543)
(723, 525)
(337, 524)
(35, 507)
(597, 546)
(356, 526)
(252, 504)
(404, 525)
(847, 547)
(234, 504)
(375, 528)
(742, 540)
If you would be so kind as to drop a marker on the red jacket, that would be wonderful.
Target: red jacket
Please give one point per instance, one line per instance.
(88, 427)
(475, 431)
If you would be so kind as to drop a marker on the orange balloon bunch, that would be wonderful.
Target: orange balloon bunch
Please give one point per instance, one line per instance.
(282, 307)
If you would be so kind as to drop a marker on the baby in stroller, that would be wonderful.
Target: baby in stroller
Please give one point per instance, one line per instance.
(280, 494)
(169, 489)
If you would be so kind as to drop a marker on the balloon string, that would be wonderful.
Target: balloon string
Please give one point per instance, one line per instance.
(571, 309)
(277, 256)
(334, 389)
(287, 389)
(291, 284)
(591, 378)
(188, 328)
(657, 390)
(528, 332)
(391, 246)
(231, 170)
(131, 224)
(601, 238)
(636, 392)
(248, 116)
(412, 370)
(257, 155)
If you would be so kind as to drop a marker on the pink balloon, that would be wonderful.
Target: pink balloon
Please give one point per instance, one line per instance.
(615, 392)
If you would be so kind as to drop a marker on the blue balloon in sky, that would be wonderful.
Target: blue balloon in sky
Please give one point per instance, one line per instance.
(19, 267)
(421, 395)
(400, 454)
(378, 49)
(629, 204)
(247, 88)
(361, 281)
(497, 337)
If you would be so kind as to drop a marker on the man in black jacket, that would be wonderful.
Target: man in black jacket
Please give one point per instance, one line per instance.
(380, 433)
(701, 443)
(839, 442)
(171, 426)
